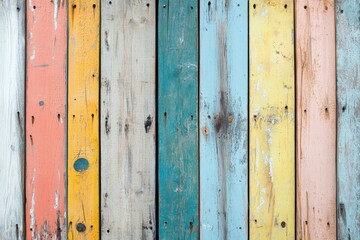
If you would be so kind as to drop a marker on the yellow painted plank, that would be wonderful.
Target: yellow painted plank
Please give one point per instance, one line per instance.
(83, 120)
(272, 120)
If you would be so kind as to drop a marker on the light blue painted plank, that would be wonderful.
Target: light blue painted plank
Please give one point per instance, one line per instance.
(223, 119)
(348, 97)
(178, 119)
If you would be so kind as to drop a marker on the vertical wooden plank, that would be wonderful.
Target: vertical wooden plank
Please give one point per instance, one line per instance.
(348, 125)
(178, 119)
(316, 119)
(45, 119)
(272, 121)
(223, 119)
(127, 119)
(12, 67)
(83, 121)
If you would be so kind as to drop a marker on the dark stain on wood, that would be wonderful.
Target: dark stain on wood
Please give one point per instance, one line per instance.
(147, 123)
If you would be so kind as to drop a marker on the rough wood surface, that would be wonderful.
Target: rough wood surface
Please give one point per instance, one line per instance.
(178, 119)
(45, 119)
(348, 124)
(83, 120)
(128, 119)
(272, 120)
(316, 119)
(12, 67)
(223, 119)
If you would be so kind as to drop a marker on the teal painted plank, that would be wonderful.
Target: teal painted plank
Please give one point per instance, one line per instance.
(223, 119)
(348, 97)
(178, 119)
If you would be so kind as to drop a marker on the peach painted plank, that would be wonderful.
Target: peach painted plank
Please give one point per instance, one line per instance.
(128, 119)
(316, 119)
(45, 119)
(348, 122)
(12, 66)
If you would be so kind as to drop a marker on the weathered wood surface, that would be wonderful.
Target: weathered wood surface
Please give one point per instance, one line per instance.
(45, 119)
(348, 124)
(316, 119)
(128, 119)
(83, 120)
(178, 119)
(12, 60)
(223, 119)
(272, 121)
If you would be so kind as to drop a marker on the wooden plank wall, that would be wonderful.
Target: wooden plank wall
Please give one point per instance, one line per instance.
(178, 119)
(272, 121)
(223, 119)
(45, 119)
(128, 119)
(348, 99)
(83, 121)
(12, 60)
(316, 119)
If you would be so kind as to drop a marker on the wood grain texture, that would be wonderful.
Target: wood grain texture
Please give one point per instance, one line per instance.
(45, 119)
(348, 124)
(316, 119)
(83, 121)
(272, 121)
(128, 119)
(178, 119)
(223, 119)
(12, 66)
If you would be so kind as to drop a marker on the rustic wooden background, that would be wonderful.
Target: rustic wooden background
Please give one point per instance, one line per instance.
(169, 119)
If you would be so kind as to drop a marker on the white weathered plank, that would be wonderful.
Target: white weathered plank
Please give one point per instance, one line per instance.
(12, 60)
(127, 119)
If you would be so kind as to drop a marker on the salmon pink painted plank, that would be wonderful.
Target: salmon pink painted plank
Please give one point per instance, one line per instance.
(45, 119)
(316, 119)
(12, 60)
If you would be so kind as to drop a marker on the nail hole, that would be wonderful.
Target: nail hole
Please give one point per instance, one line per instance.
(108, 231)
(341, 11)
(73, 116)
(306, 222)
(254, 6)
(148, 4)
(286, 107)
(31, 229)
(326, 7)
(165, 114)
(343, 108)
(283, 224)
(92, 116)
(110, 2)
(32, 119)
(238, 6)
(209, 117)
(192, 117)
(94, 5)
(91, 227)
(58, 116)
(34, 7)
(285, 6)
(191, 7)
(305, 7)
(328, 224)
(164, 6)
(74, 5)
(326, 109)
(255, 221)
(304, 110)
(93, 75)
(18, 9)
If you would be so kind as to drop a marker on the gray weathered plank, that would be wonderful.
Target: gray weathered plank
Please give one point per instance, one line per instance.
(127, 119)
(12, 60)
